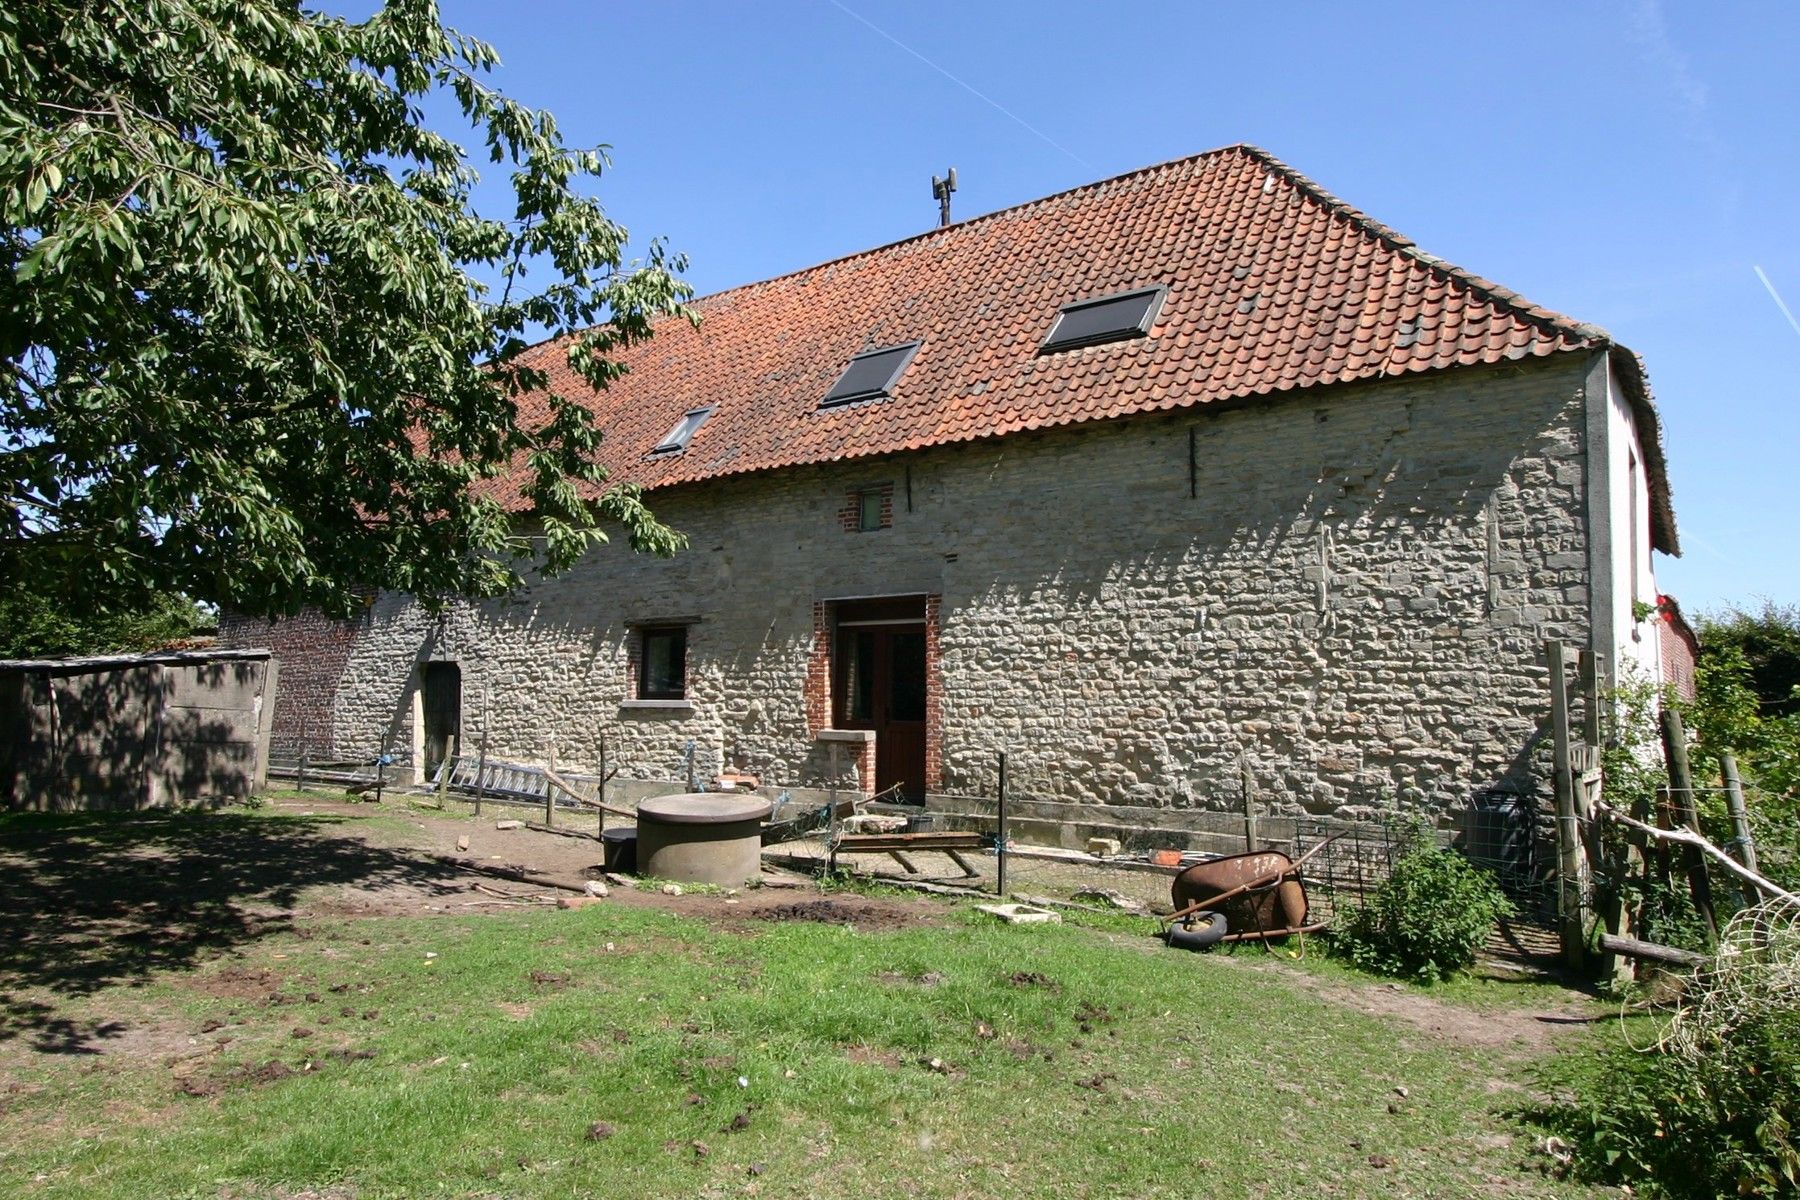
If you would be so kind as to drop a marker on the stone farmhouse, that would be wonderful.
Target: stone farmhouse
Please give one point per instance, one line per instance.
(1188, 476)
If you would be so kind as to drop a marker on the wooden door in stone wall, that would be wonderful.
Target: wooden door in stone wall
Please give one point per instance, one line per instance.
(880, 660)
(442, 688)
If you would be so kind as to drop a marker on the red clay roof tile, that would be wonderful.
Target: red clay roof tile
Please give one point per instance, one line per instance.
(1273, 284)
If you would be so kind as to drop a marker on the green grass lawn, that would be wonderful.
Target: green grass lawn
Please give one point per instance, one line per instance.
(625, 1051)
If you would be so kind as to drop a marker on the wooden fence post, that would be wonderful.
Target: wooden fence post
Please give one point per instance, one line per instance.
(1249, 787)
(447, 768)
(1681, 793)
(1000, 837)
(481, 761)
(1588, 669)
(1740, 820)
(550, 788)
(1571, 884)
(1687, 814)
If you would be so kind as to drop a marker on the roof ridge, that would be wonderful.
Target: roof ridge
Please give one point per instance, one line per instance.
(1486, 288)
(1240, 147)
(1395, 240)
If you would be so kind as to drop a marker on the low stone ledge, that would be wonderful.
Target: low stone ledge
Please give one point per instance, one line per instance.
(667, 706)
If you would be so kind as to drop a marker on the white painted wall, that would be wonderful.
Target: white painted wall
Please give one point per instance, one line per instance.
(1636, 647)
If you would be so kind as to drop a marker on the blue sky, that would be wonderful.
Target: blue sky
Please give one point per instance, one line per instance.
(1630, 164)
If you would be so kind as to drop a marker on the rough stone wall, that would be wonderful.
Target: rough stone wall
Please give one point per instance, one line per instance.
(1350, 603)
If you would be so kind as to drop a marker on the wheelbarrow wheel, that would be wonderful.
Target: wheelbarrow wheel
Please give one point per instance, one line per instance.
(1197, 932)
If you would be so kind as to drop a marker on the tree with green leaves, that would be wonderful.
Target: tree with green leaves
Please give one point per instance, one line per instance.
(249, 355)
(1768, 641)
(33, 625)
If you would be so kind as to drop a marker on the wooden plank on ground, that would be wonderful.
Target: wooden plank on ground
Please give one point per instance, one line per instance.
(873, 843)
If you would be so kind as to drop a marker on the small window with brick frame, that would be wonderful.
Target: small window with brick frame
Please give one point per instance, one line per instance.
(868, 510)
(662, 662)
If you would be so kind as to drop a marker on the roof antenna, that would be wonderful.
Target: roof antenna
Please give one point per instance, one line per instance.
(940, 191)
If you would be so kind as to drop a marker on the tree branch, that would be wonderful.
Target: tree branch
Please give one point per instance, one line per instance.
(1689, 838)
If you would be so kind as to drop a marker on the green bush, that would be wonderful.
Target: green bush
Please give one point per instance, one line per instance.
(1718, 1124)
(1427, 920)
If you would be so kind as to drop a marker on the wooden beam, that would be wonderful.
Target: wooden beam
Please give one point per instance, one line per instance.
(957, 858)
(1632, 948)
(873, 843)
(552, 778)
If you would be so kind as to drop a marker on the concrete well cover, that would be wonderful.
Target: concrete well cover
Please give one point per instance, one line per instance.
(704, 808)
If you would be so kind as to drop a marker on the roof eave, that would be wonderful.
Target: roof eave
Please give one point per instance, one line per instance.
(1636, 384)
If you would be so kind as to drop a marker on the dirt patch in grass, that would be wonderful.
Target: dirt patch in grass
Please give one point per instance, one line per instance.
(928, 979)
(239, 983)
(1033, 979)
(874, 1056)
(127, 1034)
(281, 1193)
(866, 915)
(206, 1084)
(1523, 1029)
(548, 860)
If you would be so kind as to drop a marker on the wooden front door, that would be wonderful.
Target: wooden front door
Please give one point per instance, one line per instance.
(443, 712)
(881, 686)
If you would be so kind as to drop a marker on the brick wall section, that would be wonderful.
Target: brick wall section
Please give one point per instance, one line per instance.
(934, 696)
(1353, 605)
(818, 671)
(313, 652)
(1680, 653)
(865, 766)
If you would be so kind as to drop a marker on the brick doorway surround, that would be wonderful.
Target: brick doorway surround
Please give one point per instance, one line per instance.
(820, 701)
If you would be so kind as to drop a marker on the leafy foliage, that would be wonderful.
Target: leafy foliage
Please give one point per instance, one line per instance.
(1632, 766)
(34, 626)
(1427, 919)
(1726, 714)
(245, 352)
(1650, 1121)
(1711, 1108)
(1768, 642)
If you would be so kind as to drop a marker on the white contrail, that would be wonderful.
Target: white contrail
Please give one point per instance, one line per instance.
(967, 87)
(1776, 297)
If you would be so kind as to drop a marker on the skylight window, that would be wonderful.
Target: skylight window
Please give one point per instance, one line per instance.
(684, 431)
(870, 375)
(1108, 319)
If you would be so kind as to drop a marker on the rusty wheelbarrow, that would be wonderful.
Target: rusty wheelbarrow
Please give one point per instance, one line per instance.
(1240, 898)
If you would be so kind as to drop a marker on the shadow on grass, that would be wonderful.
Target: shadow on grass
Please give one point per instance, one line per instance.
(96, 900)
